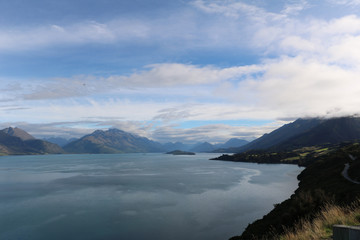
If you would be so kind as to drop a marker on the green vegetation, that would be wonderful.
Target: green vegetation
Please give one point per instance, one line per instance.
(320, 183)
(301, 156)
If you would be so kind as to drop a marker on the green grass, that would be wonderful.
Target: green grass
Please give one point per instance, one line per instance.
(290, 159)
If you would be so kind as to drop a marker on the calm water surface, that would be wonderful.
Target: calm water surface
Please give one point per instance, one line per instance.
(135, 196)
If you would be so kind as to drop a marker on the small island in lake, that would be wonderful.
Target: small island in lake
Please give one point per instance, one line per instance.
(179, 152)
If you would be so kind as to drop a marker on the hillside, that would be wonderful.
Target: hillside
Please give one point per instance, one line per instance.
(324, 146)
(321, 227)
(320, 183)
(307, 132)
(112, 141)
(330, 131)
(281, 134)
(234, 142)
(17, 132)
(17, 141)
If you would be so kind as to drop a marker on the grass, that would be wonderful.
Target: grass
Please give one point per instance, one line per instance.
(321, 226)
(290, 159)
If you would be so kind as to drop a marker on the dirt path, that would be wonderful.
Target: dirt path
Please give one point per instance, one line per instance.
(346, 170)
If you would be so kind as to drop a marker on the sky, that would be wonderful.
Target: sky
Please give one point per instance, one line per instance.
(180, 70)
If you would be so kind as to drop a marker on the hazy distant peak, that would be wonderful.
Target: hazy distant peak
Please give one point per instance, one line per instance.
(110, 131)
(115, 130)
(17, 132)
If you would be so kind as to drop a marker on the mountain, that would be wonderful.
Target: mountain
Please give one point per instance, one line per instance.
(112, 141)
(331, 131)
(203, 147)
(234, 142)
(17, 132)
(281, 134)
(59, 141)
(307, 132)
(176, 146)
(17, 141)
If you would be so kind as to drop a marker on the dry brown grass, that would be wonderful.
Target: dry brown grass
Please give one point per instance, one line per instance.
(321, 226)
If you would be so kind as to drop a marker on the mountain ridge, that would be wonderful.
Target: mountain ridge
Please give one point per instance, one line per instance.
(17, 132)
(17, 141)
(305, 132)
(112, 141)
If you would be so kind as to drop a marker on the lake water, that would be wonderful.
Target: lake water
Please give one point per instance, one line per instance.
(136, 196)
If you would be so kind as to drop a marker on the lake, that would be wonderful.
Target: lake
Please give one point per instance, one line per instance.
(136, 196)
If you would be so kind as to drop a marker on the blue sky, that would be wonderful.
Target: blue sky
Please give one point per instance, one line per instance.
(180, 70)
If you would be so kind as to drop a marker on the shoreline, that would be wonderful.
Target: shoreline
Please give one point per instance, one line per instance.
(320, 182)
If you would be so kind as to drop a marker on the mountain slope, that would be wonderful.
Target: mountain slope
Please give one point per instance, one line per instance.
(17, 132)
(14, 143)
(113, 141)
(281, 134)
(320, 183)
(43, 147)
(234, 142)
(332, 131)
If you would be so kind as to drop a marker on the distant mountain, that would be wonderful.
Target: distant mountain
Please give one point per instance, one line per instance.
(231, 146)
(60, 141)
(307, 132)
(17, 141)
(234, 142)
(176, 146)
(203, 147)
(113, 141)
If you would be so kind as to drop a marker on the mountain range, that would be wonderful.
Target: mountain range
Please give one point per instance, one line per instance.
(300, 133)
(118, 141)
(18, 141)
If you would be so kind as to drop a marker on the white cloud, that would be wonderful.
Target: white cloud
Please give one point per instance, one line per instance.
(156, 76)
(307, 37)
(78, 33)
(345, 2)
(235, 20)
(238, 9)
(227, 8)
(295, 8)
(163, 75)
(298, 87)
(214, 133)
